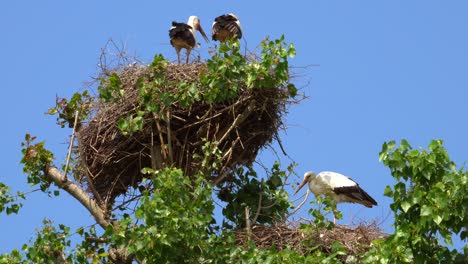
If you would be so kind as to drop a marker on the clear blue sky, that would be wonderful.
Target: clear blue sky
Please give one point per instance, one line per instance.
(387, 70)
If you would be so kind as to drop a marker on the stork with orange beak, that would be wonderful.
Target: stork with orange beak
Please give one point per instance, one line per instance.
(183, 35)
(338, 187)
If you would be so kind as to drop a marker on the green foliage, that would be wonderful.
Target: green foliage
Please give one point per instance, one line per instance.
(131, 124)
(429, 201)
(110, 89)
(158, 65)
(274, 56)
(8, 201)
(89, 251)
(36, 159)
(228, 70)
(252, 254)
(226, 73)
(323, 206)
(210, 160)
(49, 245)
(175, 220)
(189, 93)
(13, 257)
(81, 102)
(267, 200)
(153, 96)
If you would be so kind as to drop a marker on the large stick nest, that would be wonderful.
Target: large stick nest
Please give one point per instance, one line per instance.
(241, 126)
(355, 241)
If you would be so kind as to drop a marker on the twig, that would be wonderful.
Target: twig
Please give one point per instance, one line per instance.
(163, 149)
(239, 119)
(169, 139)
(93, 189)
(280, 143)
(24, 193)
(259, 206)
(71, 143)
(300, 205)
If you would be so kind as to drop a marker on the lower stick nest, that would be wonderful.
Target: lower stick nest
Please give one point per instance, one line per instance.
(355, 241)
(175, 136)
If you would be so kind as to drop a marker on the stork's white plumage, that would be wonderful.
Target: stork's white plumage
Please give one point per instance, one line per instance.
(183, 35)
(226, 27)
(338, 187)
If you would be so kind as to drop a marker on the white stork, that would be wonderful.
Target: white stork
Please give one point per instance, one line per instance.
(338, 187)
(183, 35)
(226, 27)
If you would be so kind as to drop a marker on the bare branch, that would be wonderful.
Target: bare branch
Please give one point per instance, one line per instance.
(71, 143)
(259, 206)
(300, 205)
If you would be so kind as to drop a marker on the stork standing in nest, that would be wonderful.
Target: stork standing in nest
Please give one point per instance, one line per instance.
(183, 35)
(338, 187)
(226, 27)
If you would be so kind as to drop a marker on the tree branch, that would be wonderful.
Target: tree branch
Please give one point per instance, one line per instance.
(239, 119)
(300, 205)
(71, 143)
(259, 206)
(53, 174)
(247, 222)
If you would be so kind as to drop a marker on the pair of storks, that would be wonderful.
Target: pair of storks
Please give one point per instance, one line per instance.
(183, 35)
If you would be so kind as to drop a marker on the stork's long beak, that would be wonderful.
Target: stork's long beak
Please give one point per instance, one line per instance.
(203, 33)
(301, 185)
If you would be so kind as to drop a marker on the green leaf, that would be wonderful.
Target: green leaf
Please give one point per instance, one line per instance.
(388, 191)
(437, 219)
(405, 144)
(291, 51)
(405, 206)
(435, 144)
(223, 47)
(426, 210)
(292, 90)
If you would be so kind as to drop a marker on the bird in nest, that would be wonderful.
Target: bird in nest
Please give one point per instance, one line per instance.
(226, 27)
(338, 187)
(183, 36)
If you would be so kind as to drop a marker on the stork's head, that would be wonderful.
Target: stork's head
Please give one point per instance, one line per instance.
(194, 22)
(308, 176)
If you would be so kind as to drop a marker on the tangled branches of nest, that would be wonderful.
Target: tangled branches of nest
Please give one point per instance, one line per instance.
(355, 241)
(209, 117)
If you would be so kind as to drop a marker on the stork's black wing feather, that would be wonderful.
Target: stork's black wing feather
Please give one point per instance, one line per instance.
(357, 193)
(181, 31)
(178, 28)
(227, 23)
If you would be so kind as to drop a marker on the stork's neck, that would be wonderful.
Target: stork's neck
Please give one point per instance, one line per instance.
(191, 22)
